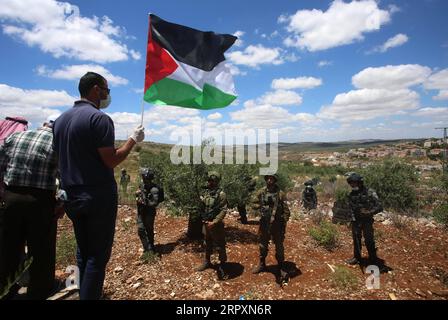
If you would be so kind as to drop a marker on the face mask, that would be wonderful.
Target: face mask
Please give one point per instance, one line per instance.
(105, 103)
(355, 188)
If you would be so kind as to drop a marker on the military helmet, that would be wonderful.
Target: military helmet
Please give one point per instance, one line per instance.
(309, 183)
(275, 175)
(214, 175)
(146, 173)
(354, 177)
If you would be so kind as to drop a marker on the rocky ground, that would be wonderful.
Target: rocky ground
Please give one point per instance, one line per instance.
(415, 252)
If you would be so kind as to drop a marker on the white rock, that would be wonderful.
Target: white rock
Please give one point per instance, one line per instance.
(136, 285)
(118, 269)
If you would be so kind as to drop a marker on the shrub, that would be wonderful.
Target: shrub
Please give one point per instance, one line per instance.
(394, 183)
(341, 194)
(325, 235)
(343, 278)
(441, 214)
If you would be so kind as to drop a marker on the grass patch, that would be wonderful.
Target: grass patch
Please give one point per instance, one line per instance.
(66, 250)
(441, 214)
(149, 257)
(343, 278)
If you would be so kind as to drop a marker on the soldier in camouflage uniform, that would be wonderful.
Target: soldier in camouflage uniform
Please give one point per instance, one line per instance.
(124, 181)
(270, 201)
(364, 204)
(213, 210)
(148, 196)
(309, 197)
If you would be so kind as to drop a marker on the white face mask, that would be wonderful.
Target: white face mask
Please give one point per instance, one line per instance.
(105, 103)
(355, 188)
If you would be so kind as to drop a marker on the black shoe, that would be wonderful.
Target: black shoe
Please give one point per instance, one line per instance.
(353, 261)
(222, 275)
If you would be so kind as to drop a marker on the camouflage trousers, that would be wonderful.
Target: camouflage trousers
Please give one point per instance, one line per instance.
(275, 231)
(360, 227)
(145, 226)
(309, 204)
(215, 235)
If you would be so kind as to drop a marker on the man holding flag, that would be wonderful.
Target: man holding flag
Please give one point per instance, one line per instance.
(84, 140)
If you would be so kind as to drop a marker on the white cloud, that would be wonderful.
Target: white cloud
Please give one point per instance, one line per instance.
(443, 95)
(391, 77)
(343, 23)
(280, 98)
(393, 42)
(158, 121)
(239, 42)
(75, 72)
(137, 90)
(24, 98)
(135, 54)
(367, 104)
(291, 57)
(235, 71)
(435, 113)
(215, 116)
(324, 63)
(59, 29)
(438, 81)
(169, 113)
(306, 118)
(296, 83)
(253, 56)
(33, 105)
(264, 117)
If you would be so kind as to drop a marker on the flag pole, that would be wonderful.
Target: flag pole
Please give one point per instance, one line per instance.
(143, 111)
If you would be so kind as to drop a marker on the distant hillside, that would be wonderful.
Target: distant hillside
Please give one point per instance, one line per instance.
(341, 146)
(283, 147)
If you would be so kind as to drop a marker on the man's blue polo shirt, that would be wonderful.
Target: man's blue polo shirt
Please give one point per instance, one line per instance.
(78, 133)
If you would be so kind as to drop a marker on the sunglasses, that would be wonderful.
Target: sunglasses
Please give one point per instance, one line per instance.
(107, 89)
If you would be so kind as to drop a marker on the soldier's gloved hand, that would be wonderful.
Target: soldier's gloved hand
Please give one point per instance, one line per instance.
(139, 134)
(364, 211)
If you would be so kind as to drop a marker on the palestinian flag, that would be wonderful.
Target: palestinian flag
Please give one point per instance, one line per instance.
(186, 67)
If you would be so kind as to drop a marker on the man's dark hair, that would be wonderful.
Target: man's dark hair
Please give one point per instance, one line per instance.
(88, 81)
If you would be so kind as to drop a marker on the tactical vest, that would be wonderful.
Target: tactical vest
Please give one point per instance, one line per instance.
(309, 194)
(359, 200)
(271, 200)
(151, 195)
(211, 202)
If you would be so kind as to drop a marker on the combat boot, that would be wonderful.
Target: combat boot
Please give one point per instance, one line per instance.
(222, 275)
(261, 267)
(282, 273)
(205, 265)
(243, 219)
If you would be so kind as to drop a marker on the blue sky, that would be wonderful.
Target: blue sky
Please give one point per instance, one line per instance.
(315, 70)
